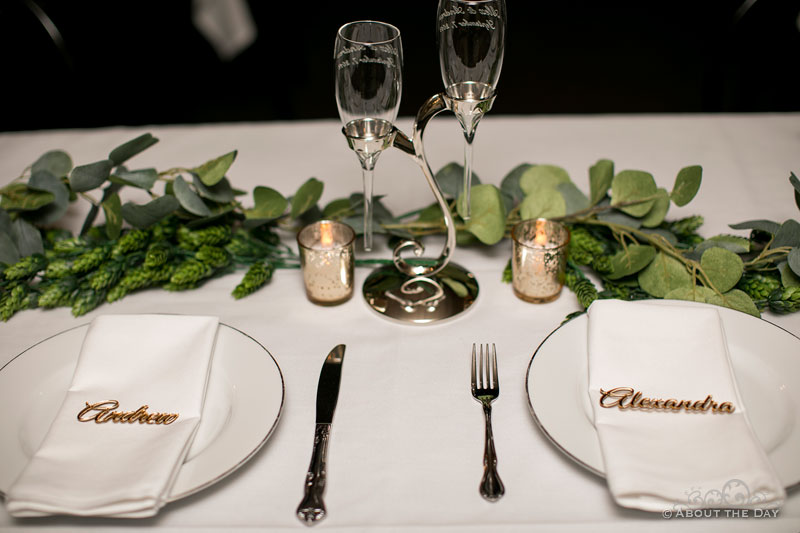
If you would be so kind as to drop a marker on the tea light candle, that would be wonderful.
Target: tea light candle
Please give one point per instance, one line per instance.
(327, 261)
(539, 259)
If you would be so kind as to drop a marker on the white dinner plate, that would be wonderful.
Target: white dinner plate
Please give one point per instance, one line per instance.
(244, 401)
(765, 359)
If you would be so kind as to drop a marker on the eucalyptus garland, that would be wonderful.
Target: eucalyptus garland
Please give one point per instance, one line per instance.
(200, 227)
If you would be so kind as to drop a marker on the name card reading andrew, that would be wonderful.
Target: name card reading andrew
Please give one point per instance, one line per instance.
(102, 412)
(628, 398)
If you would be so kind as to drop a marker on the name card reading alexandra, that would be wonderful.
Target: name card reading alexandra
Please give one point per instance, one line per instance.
(102, 412)
(628, 398)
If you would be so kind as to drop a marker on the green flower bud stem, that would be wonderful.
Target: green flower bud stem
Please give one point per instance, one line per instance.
(87, 300)
(212, 235)
(213, 255)
(58, 268)
(190, 272)
(785, 300)
(135, 239)
(57, 294)
(91, 259)
(14, 300)
(257, 275)
(27, 267)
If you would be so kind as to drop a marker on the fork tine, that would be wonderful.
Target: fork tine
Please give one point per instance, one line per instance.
(474, 380)
(483, 371)
(496, 376)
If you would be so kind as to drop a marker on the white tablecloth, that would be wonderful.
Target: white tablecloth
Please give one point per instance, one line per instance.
(407, 439)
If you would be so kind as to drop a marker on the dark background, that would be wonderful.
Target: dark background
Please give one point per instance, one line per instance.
(143, 62)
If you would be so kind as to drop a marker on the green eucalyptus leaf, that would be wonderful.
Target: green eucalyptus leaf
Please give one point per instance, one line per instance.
(221, 192)
(380, 213)
(787, 235)
(634, 186)
(451, 179)
(5, 222)
(357, 223)
(26, 237)
(488, 220)
(794, 181)
(56, 162)
(112, 208)
(269, 204)
(125, 151)
(337, 209)
(736, 299)
(189, 199)
(630, 260)
(306, 197)
(456, 286)
(87, 177)
(733, 243)
(218, 213)
(42, 180)
(662, 275)
(695, 293)
(18, 197)
(143, 216)
(723, 267)
(788, 277)
(547, 203)
(540, 177)
(510, 183)
(601, 174)
(668, 235)
(687, 183)
(8, 249)
(767, 226)
(432, 213)
(143, 178)
(211, 172)
(465, 238)
(620, 218)
(574, 199)
(656, 215)
(793, 260)
(796, 184)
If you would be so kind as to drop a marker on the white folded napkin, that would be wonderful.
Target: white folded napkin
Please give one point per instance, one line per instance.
(122, 468)
(666, 458)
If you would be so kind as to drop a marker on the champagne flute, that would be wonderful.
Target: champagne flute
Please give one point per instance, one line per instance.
(471, 40)
(368, 57)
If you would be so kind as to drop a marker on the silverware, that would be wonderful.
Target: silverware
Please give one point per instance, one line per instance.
(312, 509)
(486, 389)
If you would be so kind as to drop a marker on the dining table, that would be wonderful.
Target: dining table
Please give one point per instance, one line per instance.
(407, 439)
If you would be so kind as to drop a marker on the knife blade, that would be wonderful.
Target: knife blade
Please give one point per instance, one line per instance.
(312, 507)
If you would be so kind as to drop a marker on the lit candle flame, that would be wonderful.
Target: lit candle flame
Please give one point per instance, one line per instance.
(325, 234)
(541, 234)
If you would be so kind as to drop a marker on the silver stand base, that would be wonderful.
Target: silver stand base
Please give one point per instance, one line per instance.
(421, 299)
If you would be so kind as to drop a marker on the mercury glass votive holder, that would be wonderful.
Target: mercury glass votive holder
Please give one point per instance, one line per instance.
(539, 259)
(327, 260)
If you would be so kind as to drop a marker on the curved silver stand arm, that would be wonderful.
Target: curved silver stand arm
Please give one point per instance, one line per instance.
(423, 293)
(416, 149)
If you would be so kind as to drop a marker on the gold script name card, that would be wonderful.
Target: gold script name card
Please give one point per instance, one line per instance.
(102, 412)
(628, 398)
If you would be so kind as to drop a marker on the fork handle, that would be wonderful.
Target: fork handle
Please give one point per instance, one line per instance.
(491, 486)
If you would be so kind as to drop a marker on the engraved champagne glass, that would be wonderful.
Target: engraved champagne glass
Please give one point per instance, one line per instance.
(471, 41)
(368, 58)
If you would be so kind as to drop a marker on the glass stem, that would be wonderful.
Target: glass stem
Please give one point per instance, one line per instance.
(467, 210)
(367, 174)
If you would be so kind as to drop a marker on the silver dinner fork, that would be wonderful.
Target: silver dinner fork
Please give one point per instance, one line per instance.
(486, 389)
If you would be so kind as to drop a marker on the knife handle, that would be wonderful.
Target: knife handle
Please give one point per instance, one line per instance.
(312, 508)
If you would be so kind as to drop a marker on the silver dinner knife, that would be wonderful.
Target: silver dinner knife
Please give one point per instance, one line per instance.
(312, 509)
